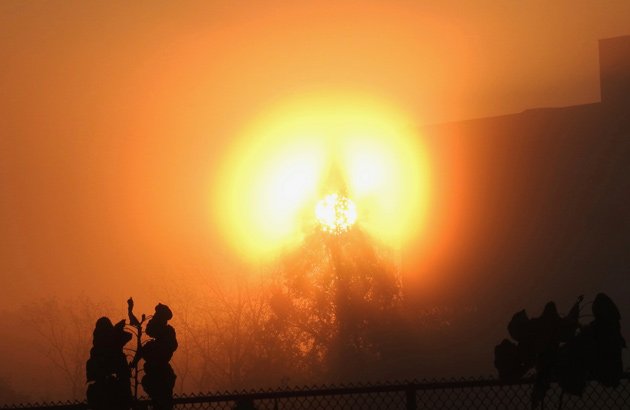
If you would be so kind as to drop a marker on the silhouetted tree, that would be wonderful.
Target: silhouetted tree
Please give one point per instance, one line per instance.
(227, 338)
(136, 325)
(64, 328)
(254, 330)
(338, 295)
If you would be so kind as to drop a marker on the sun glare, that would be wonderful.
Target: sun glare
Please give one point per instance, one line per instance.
(280, 170)
(336, 213)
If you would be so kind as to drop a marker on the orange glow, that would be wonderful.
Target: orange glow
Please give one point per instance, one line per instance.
(281, 167)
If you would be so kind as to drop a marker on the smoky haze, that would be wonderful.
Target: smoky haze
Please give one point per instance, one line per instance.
(115, 116)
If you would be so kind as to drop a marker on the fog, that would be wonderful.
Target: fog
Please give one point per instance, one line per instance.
(114, 118)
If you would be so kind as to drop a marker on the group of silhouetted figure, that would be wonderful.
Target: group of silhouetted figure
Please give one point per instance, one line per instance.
(109, 373)
(562, 350)
(559, 349)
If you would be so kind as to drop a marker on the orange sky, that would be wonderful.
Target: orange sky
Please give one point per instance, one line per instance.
(113, 116)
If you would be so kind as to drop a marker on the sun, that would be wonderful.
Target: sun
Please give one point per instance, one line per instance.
(336, 213)
(324, 161)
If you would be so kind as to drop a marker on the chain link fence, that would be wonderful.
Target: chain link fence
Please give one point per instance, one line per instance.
(444, 394)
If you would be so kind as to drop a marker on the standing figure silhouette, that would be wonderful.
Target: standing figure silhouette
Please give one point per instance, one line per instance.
(107, 370)
(159, 377)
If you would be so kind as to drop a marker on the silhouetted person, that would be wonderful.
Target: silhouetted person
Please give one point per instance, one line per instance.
(595, 353)
(159, 377)
(107, 370)
(539, 341)
(560, 349)
(607, 342)
(549, 330)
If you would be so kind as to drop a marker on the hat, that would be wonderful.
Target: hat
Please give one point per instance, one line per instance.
(163, 312)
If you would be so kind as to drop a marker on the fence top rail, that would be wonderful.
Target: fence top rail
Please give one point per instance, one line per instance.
(47, 406)
(313, 391)
(305, 391)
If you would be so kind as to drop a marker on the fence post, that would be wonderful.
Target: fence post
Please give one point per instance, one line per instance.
(411, 397)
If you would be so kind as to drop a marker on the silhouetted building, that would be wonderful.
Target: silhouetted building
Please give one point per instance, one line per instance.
(614, 66)
(541, 201)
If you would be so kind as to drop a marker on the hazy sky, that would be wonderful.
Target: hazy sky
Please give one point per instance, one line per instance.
(113, 115)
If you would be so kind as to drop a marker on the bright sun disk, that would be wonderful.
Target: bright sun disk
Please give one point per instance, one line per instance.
(336, 213)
